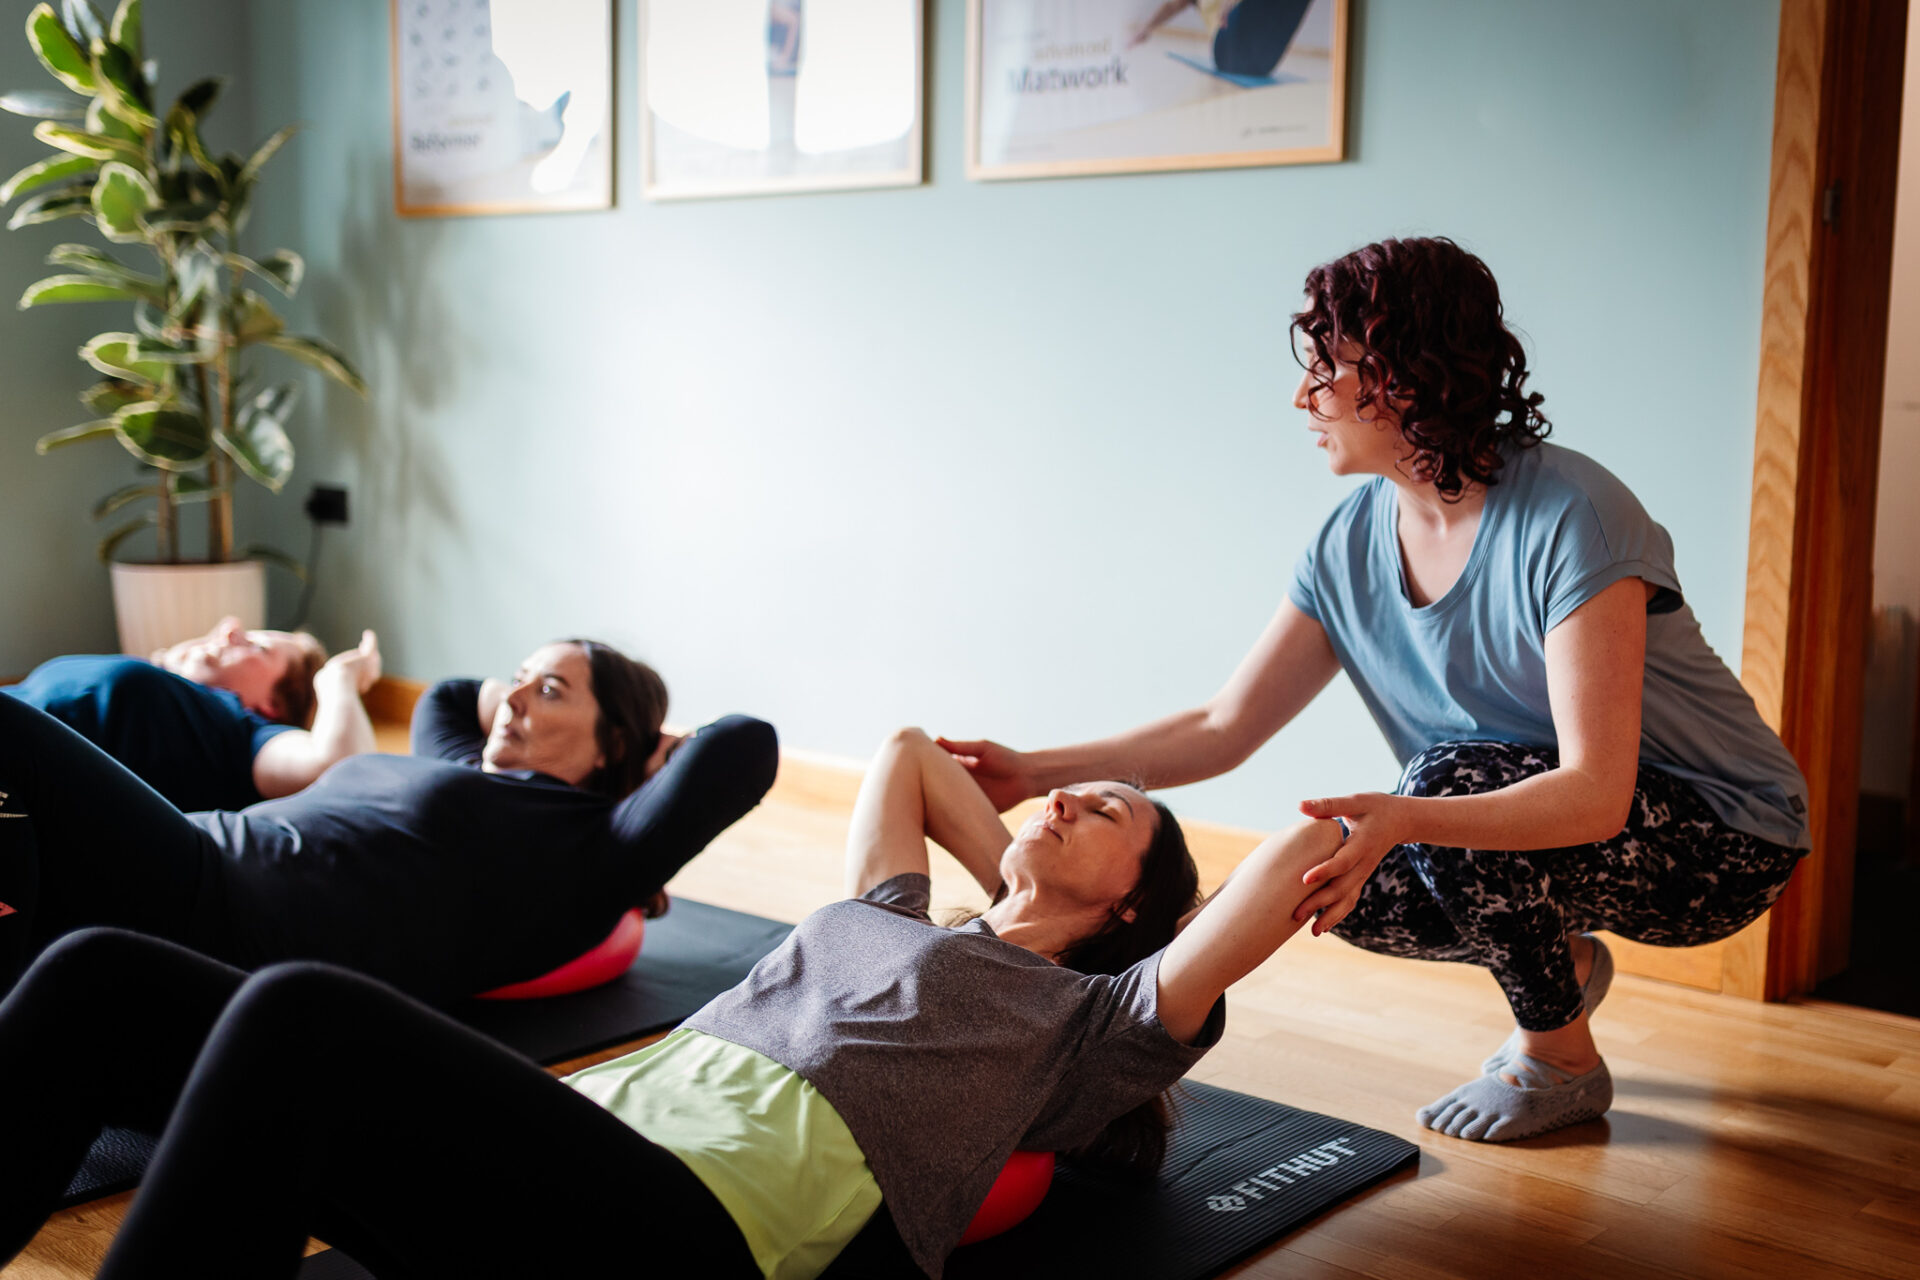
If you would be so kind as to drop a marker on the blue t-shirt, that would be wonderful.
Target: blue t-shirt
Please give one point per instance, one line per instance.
(192, 744)
(1556, 530)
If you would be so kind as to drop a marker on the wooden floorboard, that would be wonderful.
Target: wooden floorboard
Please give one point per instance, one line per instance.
(1746, 1139)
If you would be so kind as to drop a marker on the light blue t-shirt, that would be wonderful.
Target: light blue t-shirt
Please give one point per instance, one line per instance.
(1557, 529)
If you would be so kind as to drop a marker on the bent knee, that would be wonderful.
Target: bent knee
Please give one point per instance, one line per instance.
(907, 738)
(299, 989)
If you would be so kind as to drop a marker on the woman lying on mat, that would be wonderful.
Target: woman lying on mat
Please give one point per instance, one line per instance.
(874, 1058)
(1575, 756)
(220, 721)
(528, 819)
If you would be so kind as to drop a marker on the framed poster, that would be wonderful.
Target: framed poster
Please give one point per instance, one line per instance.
(502, 106)
(1062, 87)
(757, 97)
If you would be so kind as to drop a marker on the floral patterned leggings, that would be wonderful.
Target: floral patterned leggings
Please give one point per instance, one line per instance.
(1676, 876)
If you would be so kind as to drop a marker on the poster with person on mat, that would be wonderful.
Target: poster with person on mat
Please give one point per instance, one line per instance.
(1116, 86)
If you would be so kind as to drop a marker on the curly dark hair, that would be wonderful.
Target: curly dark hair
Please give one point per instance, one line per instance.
(1434, 352)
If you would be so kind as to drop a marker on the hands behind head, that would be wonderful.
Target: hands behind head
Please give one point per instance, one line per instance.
(1374, 827)
(668, 742)
(1003, 773)
(359, 667)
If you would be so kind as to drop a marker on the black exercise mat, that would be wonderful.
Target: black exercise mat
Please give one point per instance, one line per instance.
(1240, 1173)
(690, 955)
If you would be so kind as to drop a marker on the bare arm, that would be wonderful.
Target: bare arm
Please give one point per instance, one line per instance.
(913, 790)
(1286, 669)
(1241, 925)
(1596, 663)
(290, 761)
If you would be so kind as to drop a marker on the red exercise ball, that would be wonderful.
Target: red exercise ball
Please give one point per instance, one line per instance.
(1017, 1192)
(602, 964)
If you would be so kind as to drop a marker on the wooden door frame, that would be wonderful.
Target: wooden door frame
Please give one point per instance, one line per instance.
(1816, 451)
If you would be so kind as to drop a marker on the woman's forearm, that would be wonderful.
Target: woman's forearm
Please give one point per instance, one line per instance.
(1187, 746)
(959, 819)
(1564, 806)
(341, 726)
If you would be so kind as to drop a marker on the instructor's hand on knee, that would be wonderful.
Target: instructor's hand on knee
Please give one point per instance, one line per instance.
(1001, 772)
(1373, 829)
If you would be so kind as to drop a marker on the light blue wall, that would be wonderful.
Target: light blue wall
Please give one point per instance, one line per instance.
(53, 592)
(1013, 459)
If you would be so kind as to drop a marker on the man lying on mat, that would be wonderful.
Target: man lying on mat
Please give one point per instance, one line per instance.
(874, 1059)
(501, 848)
(219, 721)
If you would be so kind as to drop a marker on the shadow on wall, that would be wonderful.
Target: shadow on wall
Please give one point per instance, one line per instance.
(386, 297)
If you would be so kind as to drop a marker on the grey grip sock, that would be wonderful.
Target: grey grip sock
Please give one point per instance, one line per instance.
(1488, 1109)
(1599, 978)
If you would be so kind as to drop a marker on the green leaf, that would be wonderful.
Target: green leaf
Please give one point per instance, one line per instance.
(127, 94)
(90, 261)
(258, 160)
(191, 218)
(283, 270)
(108, 125)
(80, 142)
(199, 96)
(279, 559)
(111, 543)
(160, 351)
(44, 173)
(197, 272)
(73, 289)
(43, 104)
(255, 321)
(67, 202)
(122, 198)
(122, 496)
(59, 52)
(113, 355)
(164, 435)
(192, 486)
(125, 30)
(69, 435)
(80, 18)
(323, 356)
(108, 397)
(183, 128)
(259, 439)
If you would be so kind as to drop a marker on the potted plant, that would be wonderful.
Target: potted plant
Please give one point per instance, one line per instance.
(179, 390)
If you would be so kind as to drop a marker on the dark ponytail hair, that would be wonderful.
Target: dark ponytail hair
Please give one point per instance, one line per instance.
(633, 704)
(1168, 888)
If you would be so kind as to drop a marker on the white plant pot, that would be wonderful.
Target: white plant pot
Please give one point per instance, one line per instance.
(161, 604)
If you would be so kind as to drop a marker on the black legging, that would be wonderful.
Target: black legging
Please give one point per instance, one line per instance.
(1675, 876)
(307, 1099)
(84, 841)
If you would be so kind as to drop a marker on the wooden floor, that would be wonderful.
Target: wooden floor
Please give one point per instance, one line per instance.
(1745, 1140)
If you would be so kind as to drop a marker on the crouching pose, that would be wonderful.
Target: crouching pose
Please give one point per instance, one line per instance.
(220, 721)
(875, 1059)
(502, 848)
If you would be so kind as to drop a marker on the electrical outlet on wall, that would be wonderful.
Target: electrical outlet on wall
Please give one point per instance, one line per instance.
(327, 504)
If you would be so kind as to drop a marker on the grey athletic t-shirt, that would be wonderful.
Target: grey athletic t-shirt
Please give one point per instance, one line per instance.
(945, 1050)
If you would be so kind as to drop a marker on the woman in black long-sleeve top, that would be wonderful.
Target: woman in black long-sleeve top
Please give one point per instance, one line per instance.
(529, 818)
